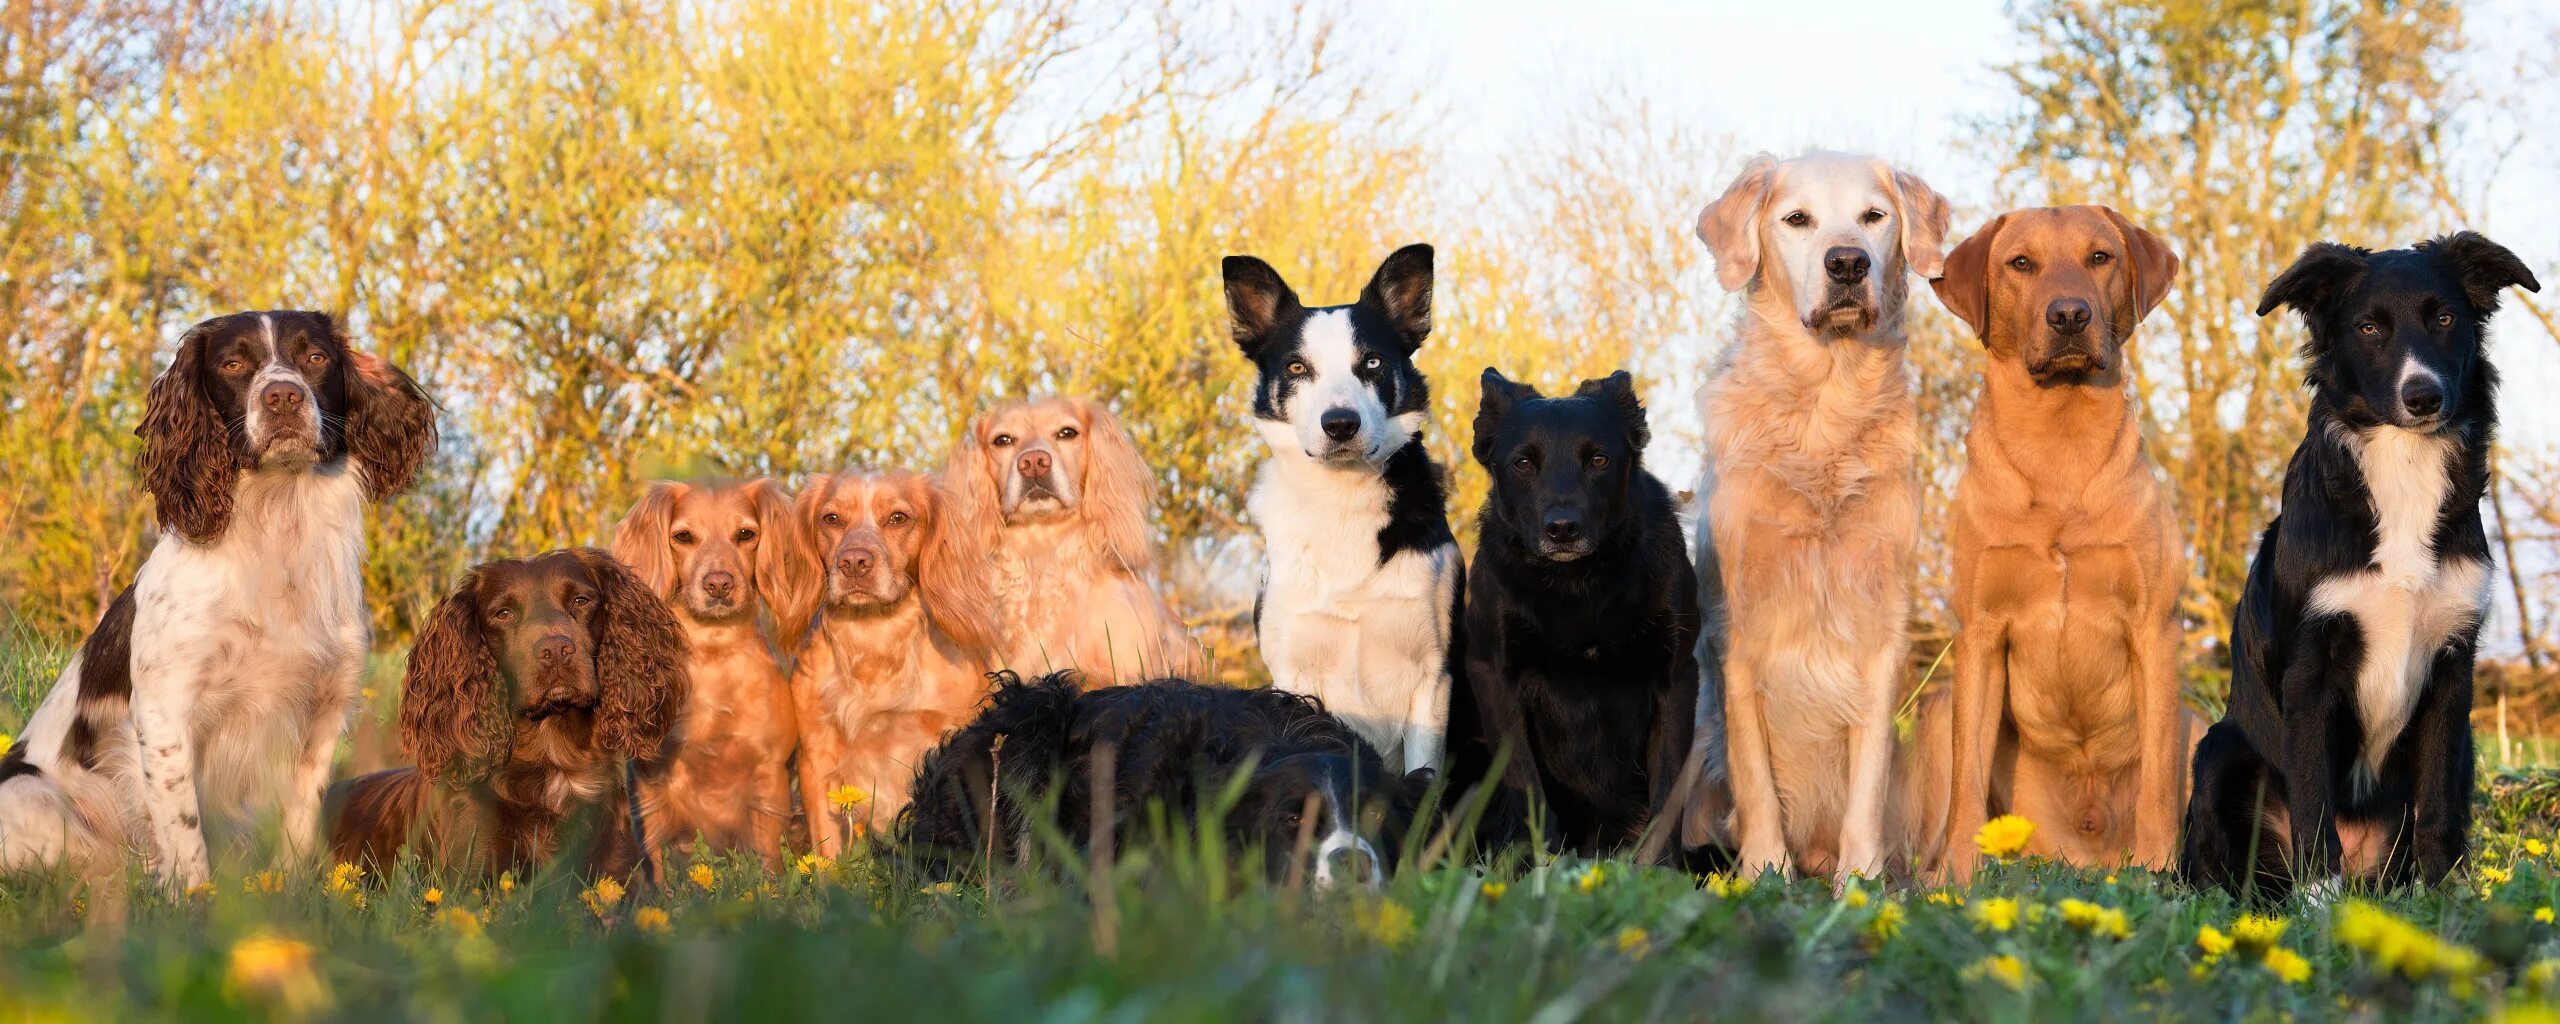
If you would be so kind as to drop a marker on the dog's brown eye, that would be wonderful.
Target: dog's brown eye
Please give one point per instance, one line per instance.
(2022, 263)
(745, 536)
(316, 358)
(1598, 461)
(1297, 368)
(684, 537)
(1001, 440)
(1521, 462)
(230, 366)
(503, 614)
(897, 519)
(2369, 329)
(2099, 257)
(581, 600)
(1067, 433)
(2444, 319)
(832, 519)
(1871, 217)
(1797, 219)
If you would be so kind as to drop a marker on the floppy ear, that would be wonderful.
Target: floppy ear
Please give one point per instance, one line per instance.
(391, 423)
(1500, 396)
(2314, 276)
(2485, 268)
(2154, 266)
(971, 476)
(1119, 492)
(779, 572)
(957, 592)
(453, 717)
(187, 460)
(799, 569)
(1924, 222)
(1256, 299)
(640, 540)
(1965, 287)
(640, 662)
(1619, 390)
(1402, 288)
(1730, 225)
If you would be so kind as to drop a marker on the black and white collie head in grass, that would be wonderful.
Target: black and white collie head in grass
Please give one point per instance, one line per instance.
(1337, 383)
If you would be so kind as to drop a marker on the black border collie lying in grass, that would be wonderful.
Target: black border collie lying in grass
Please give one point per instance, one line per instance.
(2346, 748)
(1318, 795)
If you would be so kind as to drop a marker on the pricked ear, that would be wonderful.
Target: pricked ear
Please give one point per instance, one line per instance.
(779, 571)
(2154, 265)
(2485, 268)
(452, 719)
(641, 657)
(391, 423)
(1965, 286)
(2318, 273)
(1731, 225)
(640, 540)
(1924, 216)
(1402, 288)
(1256, 300)
(187, 460)
(1619, 390)
(1501, 395)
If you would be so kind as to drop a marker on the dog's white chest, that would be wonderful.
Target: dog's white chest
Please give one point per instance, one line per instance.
(2408, 603)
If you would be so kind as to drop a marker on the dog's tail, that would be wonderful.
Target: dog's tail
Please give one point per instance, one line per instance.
(984, 780)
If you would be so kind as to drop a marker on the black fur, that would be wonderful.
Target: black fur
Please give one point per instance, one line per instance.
(1175, 744)
(2289, 743)
(1580, 650)
(106, 682)
(1417, 505)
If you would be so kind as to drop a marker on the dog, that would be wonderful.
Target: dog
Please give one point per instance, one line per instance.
(1316, 800)
(2068, 557)
(1581, 614)
(222, 676)
(713, 551)
(1809, 507)
(2346, 745)
(1068, 503)
(533, 684)
(1359, 599)
(903, 637)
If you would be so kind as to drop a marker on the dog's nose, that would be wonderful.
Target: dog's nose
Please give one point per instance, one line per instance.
(1846, 264)
(281, 396)
(2067, 316)
(719, 584)
(1563, 529)
(553, 650)
(857, 562)
(1033, 464)
(1352, 864)
(1339, 424)
(2422, 396)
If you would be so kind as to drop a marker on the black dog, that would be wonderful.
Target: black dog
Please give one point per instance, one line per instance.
(1582, 616)
(1176, 744)
(2347, 742)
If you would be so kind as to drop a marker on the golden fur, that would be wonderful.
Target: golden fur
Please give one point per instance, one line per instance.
(1809, 511)
(898, 654)
(713, 552)
(1073, 564)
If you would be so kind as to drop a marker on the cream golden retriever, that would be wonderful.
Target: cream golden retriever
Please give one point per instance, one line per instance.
(1808, 508)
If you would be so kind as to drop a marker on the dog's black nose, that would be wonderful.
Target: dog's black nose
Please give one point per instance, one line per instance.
(1564, 529)
(1352, 864)
(2067, 316)
(1846, 264)
(553, 650)
(1032, 465)
(1339, 424)
(2422, 396)
(719, 584)
(280, 396)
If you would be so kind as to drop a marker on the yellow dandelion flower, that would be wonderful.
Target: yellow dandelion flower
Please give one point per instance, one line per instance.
(601, 897)
(1728, 887)
(1385, 921)
(344, 877)
(2542, 975)
(2399, 947)
(653, 920)
(2497, 876)
(263, 883)
(2101, 921)
(809, 863)
(2287, 965)
(1634, 942)
(2212, 944)
(2004, 837)
(2006, 969)
(1947, 898)
(1589, 878)
(462, 922)
(276, 970)
(1998, 914)
(2111, 879)
(846, 798)
(200, 891)
(2535, 848)
(703, 877)
(1492, 891)
(7, 741)
(2526, 1013)
(433, 898)
(506, 882)
(368, 694)
(2489, 853)
(1887, 922)
(1855, 898)
(2257, 933)
(2542, 914)
(940, 889)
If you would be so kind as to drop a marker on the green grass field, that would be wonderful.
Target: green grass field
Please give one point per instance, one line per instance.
(1172, 933)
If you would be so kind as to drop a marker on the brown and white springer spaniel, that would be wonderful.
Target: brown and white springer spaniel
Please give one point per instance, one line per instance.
(221, 678)
(535, 680)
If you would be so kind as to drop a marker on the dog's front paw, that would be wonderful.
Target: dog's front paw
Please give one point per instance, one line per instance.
(2321, 893)
(1759, 858)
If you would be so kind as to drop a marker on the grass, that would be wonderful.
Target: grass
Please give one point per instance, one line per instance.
(1184, 935)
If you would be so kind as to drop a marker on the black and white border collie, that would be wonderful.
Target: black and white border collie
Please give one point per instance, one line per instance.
(1360, 591)
(2346, 747)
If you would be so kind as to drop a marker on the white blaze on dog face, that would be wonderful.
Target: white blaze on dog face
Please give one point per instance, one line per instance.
(1341, 855)
(285, 432)
(1337, 394)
